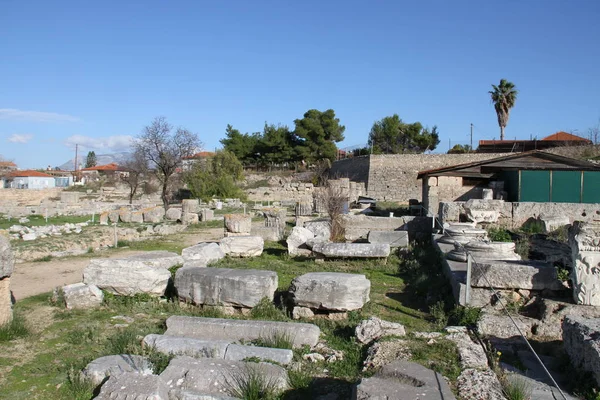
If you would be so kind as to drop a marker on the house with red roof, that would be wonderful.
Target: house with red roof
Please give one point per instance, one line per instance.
(27, 179)
(201, 157)
(110, 171)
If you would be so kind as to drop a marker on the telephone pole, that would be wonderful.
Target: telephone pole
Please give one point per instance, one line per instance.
(471, 136)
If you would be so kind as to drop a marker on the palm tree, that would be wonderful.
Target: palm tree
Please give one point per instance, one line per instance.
(503, 96)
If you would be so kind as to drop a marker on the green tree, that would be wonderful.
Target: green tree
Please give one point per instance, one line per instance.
(391, 135)
(218, 178)
(503, 96)
(460, 149)
(90, 161)
(317, 132)
(277, 145)
(242, 145)
(164, 150)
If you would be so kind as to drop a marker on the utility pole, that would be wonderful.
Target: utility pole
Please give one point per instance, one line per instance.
(76, 148)
(471, 136)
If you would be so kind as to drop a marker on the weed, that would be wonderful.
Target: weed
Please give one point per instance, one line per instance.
(90, 250)
(160, 361)
(499, 235)
(58, 298)
(266, 310)
(14, 329)
(464, 316)
(563, 274)
(561, 234)
(439, 315)
(252, 384)
(299, 379)
(522, 248)
(441, 356)
(78, 387)
(123, 342)
(78, 336)
(277, 340)
(253, 359)
(516, 388)
(533, 226)
(44, 259)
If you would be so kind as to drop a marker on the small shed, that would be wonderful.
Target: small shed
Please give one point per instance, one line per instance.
(28, 179)
(533, 176)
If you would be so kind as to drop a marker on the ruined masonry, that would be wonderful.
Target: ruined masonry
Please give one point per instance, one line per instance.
(584, 239)
(7, 263)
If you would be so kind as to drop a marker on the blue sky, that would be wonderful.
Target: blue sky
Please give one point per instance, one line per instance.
(97, 73)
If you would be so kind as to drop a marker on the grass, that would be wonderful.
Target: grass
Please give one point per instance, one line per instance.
(16, 328)
(39, 220)
(499, 235)
(516, 388)
(276, 340)
(252, 384)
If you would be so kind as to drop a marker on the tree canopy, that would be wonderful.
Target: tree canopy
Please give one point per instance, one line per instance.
(504, 97)
(391, 135)
(164, 150)
(217, 178)
(90, 160)
(460, 149)
(313, 139)
(318, 131)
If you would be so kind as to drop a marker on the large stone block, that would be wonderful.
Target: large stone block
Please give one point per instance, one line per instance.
(484, 210)
(137, 217)
(113, 216)
(7, 259)
(233, 330)
(125, 215)
(202, 253)
(484, 251)
(391, 238)
(131, 385)
(268, 233)
(403, 380)
(584, 239)
(237, 352)
(191, 347)
(217, 377)
(319, 228)
(69, 197)
(103, 218)
(551, 223)
(331, 291)
(80, 295)
(173, 214)
(296, 240)
(373, 328)
(6, 313)
(144, 273)
(530, 275)
(189, 218)
(238, 223)
(224, 286)
(352, 250)
(190, 206)
(154, 214)
(582, 344)
(358, 226)
(206, 214)
(242, 246)
(103, 367)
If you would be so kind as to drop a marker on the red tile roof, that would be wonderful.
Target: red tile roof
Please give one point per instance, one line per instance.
(28, 173)
(566, 137)
(106, 167)
(202, 154)
(7, 164)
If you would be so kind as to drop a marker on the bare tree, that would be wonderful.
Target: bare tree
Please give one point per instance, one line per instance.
(164, 150)
(594, 133)
(136, 168)
(333, 200)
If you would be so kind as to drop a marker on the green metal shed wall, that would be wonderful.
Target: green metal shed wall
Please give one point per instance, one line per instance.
(535, 186)
(591, 187)
(566, 186)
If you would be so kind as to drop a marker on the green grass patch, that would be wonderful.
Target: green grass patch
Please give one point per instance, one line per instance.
(39, 220)
(14, 329)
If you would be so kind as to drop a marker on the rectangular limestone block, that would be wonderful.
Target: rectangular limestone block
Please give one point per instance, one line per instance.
(528, 275)
(5, 301)
(353, 250)
(235, 330)
(392, 238)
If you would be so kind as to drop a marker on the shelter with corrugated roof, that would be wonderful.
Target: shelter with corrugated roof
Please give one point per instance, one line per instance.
(533, 176)
(558, 139)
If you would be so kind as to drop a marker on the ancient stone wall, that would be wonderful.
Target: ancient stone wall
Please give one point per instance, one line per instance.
(356, 169)
(393, 177)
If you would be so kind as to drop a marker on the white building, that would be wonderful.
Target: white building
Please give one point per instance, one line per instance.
(28, 180)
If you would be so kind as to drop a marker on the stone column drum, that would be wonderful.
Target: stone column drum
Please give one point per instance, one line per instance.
(584, 240)
(7, 263)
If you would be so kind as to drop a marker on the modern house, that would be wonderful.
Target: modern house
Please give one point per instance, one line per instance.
(7, 166)
(533, 176)
(28, 179)
(108, 171)
(558, 139)
(201, 157)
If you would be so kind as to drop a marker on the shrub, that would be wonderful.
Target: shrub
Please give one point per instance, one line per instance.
(522, 248)
(533, 226)
(499, 235)
(299, 379)
(438, 314)
(160, 361)
(464, 316)
(516, 388)
(79, 387)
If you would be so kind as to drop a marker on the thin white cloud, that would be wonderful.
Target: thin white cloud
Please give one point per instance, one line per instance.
(36, 116)
(20, 138)
(117, 142)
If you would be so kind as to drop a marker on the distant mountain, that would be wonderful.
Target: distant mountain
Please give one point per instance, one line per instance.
(101, 159)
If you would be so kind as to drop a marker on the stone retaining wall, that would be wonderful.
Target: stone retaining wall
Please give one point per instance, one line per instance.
(393, 177)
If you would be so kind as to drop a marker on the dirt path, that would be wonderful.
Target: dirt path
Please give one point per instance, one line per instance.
(31, 278)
